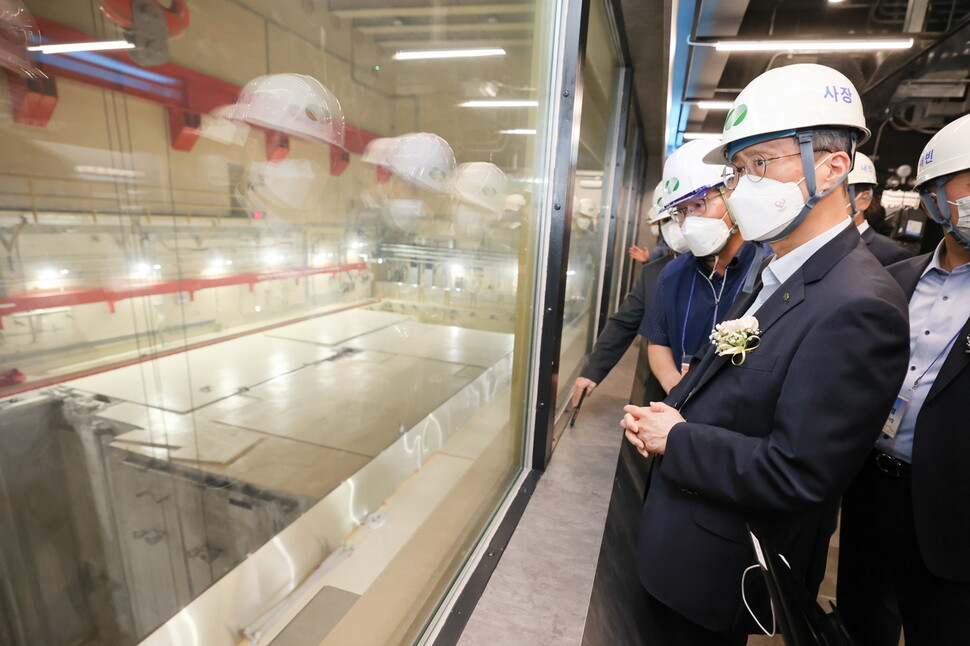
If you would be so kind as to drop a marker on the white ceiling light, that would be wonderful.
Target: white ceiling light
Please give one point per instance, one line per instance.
(811, 45)
(448, 53)
(690, 136)
(519, 131)
(715, 105)
(498, 103)
(96, 46)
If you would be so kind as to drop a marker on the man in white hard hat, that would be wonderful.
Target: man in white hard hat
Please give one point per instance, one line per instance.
(622, 328)
(903, 552)
(670, 239)
(862, 185)
(696, 290)
(769, 428)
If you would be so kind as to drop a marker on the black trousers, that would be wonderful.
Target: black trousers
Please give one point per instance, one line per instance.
(667, 627)
(882, 580)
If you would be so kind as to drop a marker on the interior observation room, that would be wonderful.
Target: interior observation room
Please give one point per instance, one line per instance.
(293, 294)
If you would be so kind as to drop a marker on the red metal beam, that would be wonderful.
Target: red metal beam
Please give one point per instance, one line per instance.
(188, 94)
(46, 300)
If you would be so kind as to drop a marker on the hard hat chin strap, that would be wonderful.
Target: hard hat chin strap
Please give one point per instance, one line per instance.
(852, 197)
(734, 222)
(933, 208)
(808, 168)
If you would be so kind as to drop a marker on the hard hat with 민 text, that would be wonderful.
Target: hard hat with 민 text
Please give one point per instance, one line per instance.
(948, 152)
(784, 100)
(863, 171)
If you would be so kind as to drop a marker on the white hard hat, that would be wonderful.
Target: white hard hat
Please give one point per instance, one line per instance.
(294, 104)
(586, 207)
(481, 184)
(423, 159)
(377, 151)
(787, 99)
(863, 171)
(948, 152)
(686, 174)
(657, 210)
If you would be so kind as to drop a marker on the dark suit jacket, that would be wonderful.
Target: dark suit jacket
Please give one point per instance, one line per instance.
(776, 440)
(941, 452)
(622, 328)
(885, 249)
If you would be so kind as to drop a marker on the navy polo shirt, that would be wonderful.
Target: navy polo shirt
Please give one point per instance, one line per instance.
(689, 301)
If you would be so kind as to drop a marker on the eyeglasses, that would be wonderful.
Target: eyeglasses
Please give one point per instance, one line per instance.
(695, 206)
(755, 169)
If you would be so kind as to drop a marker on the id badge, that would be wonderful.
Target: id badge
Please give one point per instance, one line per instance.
(685, 364)
(896, 413)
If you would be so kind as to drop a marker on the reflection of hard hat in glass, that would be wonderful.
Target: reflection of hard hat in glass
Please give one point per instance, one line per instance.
(481, 184)
(18, 31)
(587, 207)
(293, 104)
(379, 150)
(423, 159)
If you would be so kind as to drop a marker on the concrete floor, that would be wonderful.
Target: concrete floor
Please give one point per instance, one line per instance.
(536, 596)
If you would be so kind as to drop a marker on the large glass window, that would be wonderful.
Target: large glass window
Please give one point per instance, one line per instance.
(593, 191)
(265, 308)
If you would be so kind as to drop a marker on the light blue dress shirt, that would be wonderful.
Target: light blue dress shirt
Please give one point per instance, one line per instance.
(938, 310)
(781, 269)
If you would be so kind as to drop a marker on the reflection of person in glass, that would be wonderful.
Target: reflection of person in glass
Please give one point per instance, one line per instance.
(479, 193)
(280, 180)
(422, 167)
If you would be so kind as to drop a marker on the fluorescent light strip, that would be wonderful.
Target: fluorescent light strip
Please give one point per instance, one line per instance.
(691, 136)
(499, 104)
(519, 131)
(810, 45)
(448, 53)
(715, 105)
(96, 46)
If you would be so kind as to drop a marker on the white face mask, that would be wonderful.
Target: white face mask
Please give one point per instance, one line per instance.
(764, 208)
(675, 239)
(289, 183)
(705, 236)
(963, 216)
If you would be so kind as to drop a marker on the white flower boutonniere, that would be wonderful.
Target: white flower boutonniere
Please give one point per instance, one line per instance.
(736, 338)
(968, 344)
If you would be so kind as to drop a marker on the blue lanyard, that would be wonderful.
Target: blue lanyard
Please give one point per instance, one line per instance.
(946, 347)
(683, 331)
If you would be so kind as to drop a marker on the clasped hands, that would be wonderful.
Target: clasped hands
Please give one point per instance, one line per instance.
(647, 427)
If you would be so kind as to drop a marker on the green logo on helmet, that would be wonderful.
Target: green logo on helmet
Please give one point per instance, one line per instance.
(735, 116)
(671, 185)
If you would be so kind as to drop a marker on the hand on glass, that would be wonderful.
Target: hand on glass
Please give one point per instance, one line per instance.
(647, 427)
(638, 254)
